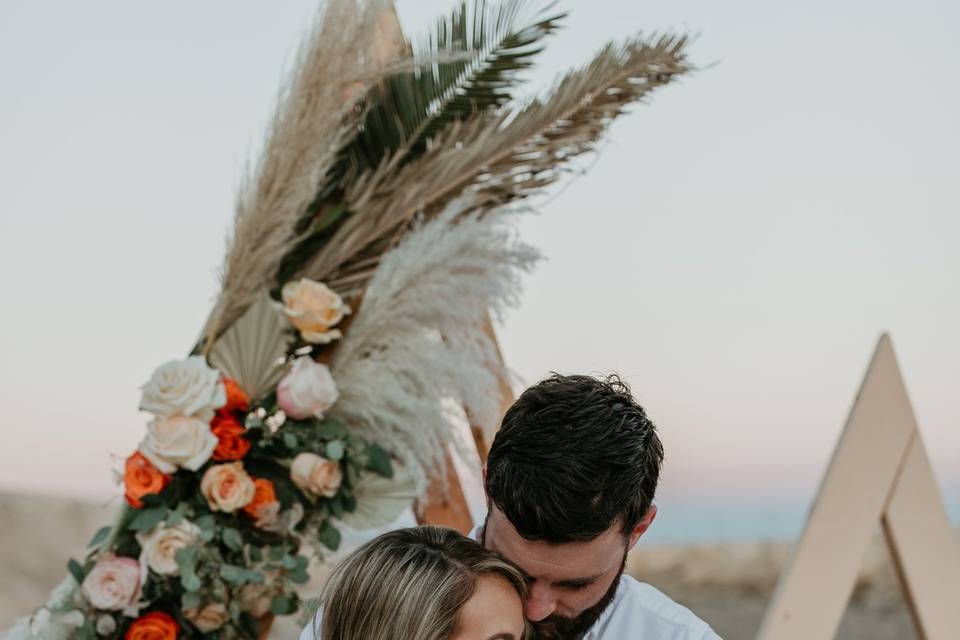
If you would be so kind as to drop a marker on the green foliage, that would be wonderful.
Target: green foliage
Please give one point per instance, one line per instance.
(76, 570)
(147, 519)
(490, 46)
(329, 536)
(379, 460)
(232, 539)
(100, 537)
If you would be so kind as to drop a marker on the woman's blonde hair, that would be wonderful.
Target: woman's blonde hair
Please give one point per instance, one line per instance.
(410, 583)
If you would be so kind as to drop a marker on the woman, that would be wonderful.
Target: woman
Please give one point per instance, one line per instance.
(423, 583)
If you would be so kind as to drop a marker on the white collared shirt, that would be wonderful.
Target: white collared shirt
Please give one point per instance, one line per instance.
(639, 610)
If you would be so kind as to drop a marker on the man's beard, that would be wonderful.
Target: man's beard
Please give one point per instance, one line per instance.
(556, 627)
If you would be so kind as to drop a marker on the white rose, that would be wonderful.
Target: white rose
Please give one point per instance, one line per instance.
(162, 543)
(314, 309)
(316, 475)
(184, 388)
(227, 487)
(307, 390)
(113, 583)
(178, 441)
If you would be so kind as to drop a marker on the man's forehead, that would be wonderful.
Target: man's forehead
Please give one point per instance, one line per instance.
(552, 562)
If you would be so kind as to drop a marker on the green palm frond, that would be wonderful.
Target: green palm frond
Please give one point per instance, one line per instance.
(410, 108)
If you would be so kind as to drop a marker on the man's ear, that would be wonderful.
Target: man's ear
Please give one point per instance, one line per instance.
(643, 525)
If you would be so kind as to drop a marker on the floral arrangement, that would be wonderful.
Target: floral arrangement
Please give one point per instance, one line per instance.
(372, 245)
(220, 491)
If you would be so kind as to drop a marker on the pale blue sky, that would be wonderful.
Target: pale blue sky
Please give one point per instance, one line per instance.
(734, 251)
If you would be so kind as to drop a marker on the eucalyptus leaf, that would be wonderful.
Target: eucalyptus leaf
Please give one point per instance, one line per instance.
(191, 600)
(335, 450)
(329, 536)
(148, 518)
(190, 582)
(232, 539)
(298, 576)
(100, 536)
(280, 606)
(76, 570)
(379, 460)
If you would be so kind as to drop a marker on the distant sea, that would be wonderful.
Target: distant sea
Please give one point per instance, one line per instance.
(693, 523)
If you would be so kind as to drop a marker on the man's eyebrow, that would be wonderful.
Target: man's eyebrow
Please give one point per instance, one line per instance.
(577, 582)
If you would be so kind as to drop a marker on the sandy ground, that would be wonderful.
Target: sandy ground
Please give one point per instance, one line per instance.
(726, 585)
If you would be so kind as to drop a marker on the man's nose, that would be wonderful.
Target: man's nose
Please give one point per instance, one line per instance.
(540, 602)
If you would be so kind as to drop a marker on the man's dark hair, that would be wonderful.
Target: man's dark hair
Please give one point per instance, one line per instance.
(573, 456)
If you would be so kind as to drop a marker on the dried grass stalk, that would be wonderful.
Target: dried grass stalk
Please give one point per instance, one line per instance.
(353, 44)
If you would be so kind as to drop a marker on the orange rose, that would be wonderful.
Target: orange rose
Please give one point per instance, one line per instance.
(141, 478)
(153, 626)
(264, 507)
(237, 398)
(229, 432)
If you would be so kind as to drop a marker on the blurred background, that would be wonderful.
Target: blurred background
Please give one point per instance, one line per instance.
(733, 252)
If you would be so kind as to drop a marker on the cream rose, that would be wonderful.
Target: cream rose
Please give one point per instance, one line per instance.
(184, 388)
(209, 618)
(160, 545)
(307, 390)
(313, 309)
(178, 442)
(113, 584)
(316, 475)
(227, 487)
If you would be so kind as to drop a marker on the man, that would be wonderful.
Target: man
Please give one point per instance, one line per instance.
(570, 481)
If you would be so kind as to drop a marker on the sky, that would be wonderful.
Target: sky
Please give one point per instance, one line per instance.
(734, 250)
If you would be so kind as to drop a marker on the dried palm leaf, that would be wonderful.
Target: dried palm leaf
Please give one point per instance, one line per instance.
(315, 117)
(496, 158)
(468, 65)
(380, 500)
(253, 350)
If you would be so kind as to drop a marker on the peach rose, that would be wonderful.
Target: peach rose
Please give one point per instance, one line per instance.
(255, 599)
(316, 475)
(141, 478)
(184, 388)
(264, 507)
(313, 309)
(307, 389)
(227, 487)
(156, 625)
(113, 584)
(160, 545)
(178, 442)
(209, 618)
(229, 432)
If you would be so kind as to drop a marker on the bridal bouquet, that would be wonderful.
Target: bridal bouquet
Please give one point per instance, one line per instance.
(372, 244)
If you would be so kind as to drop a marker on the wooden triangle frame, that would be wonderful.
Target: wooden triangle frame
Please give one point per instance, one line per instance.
(879, 474)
